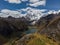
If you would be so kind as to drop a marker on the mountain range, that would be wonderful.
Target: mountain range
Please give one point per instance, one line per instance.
(28, 13)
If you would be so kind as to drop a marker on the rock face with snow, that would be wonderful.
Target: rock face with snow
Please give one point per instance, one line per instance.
(31, 13)
(28, 13)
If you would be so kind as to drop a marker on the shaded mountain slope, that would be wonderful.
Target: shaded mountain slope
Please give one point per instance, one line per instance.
(50, 27)
(11, 29)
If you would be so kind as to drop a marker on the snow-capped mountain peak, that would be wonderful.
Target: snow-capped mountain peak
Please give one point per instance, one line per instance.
(29, 13)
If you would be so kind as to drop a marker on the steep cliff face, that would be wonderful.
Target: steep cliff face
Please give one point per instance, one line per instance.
(50, 26)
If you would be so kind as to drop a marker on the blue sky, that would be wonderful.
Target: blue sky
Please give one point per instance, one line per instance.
(50, 5)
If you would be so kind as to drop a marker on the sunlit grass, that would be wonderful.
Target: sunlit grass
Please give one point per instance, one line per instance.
(41, 40)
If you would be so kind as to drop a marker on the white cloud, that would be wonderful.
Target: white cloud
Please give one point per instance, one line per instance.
(6, 13)
(36, 3)
(24, 0)
(14, 1)
(33, 3)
